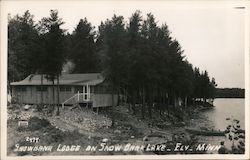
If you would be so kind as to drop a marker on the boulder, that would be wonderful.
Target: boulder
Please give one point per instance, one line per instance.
(27, 107)
(117, 131)
(145, 138)
(105, 140)
(23, 123)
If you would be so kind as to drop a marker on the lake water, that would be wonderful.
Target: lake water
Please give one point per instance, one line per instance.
(233, 108)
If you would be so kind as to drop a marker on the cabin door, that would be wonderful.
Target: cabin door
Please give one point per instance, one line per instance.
(86, 92)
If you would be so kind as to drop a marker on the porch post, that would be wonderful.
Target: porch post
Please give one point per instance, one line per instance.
(87, 91)
(78, 96)
(83, 91)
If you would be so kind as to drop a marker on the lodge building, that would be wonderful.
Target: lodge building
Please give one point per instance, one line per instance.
(88, 88)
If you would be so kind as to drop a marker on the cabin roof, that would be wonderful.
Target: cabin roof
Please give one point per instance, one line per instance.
(64, 79)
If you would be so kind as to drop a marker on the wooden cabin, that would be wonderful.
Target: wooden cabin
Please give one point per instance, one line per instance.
(88, 88)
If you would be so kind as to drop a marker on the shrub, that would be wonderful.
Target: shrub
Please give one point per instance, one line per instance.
(22, 129)
(236, 135)
(36, 123)
(54, 136)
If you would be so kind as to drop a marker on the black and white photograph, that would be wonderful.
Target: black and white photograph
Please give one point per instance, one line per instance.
(125, 79)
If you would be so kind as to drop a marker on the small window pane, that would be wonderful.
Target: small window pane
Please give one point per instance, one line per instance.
(65, 88)
(78, 88)
(41, 88)
(91, 89)
(68, 88)
(21, 88)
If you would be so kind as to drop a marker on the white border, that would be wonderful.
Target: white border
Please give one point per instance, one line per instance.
(3, 57)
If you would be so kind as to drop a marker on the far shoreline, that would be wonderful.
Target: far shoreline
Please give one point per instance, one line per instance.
(229, 97)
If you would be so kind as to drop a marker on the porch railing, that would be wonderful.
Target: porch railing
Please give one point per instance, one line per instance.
(79, 97)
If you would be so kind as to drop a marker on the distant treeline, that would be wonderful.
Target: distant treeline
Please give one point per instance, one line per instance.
(230, 93)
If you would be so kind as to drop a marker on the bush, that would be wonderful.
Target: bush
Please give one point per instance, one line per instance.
(14, 100)
(22, 129)
(236, 135)
(39, 108)
(56, 135)
(53, 135)
(36, 123)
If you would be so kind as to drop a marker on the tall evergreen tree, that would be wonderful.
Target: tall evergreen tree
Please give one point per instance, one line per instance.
(113, 52)
(134, 51)
(22, 46)
(83, 50)
(54, 48)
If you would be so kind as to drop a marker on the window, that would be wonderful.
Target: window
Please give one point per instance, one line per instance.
(21, 88)
(85, 89)
(41, 88)
(92, 89)
(65, 88)
(78, 89)
(100, 89)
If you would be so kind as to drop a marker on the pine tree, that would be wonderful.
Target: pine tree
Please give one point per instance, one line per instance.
(83, 49)
(113, 52)
(54, 51)
(22, 47)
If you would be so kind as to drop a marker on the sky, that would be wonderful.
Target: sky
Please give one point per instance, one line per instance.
(211, 35)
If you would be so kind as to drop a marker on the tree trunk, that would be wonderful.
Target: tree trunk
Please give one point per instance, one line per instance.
(112, 108)
(119, 98)
(175, 102)
(162, 102)
(58, 97)
(150, 105)
(158, 100)
(9, 90)
(41, 89)
(53, 93)
(168, 105)
(129, 101)
(143, 103)
(133, 100)
(185, 101)
(205, 99)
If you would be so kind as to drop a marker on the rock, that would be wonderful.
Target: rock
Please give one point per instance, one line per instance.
(183, 123)
(27, 107)
(63, 130)
(145, 138)
(105, 140)
(132, 137)
(84, 119)
(23, 123)
(117, 131)
(156, 135)
(204, 128)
